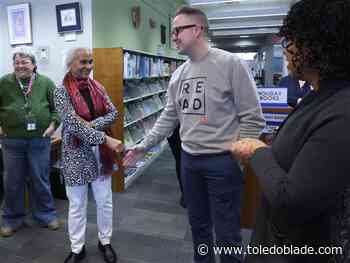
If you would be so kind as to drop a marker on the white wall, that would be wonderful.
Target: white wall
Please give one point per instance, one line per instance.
(44, 33)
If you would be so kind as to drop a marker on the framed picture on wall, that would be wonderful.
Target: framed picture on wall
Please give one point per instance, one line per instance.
(69, 18)
(19, 22)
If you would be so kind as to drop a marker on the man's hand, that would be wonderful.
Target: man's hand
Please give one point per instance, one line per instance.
(133, 155)
(50, 130)
(114, 144)
(245, 148)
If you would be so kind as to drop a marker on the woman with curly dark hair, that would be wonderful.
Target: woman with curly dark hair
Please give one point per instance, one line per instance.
(304, 176)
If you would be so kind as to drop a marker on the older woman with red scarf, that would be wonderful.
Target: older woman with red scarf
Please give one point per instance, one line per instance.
(88, 152)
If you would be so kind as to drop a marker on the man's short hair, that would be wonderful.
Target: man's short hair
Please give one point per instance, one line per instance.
(195, 12)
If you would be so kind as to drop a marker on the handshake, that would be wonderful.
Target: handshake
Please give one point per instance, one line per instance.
(130, 156)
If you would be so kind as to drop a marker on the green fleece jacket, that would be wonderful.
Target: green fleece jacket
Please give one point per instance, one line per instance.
(12, 110)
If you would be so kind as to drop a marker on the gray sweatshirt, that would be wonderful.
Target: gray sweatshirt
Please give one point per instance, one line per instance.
(215, 101)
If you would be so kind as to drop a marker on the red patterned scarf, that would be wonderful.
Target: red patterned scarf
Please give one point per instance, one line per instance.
(101, 107)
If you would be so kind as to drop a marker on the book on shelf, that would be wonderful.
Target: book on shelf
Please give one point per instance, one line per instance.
(132, 90)
(136, 131)
(135, 109)
(158, 102)
(165, 69)
(147, 87)
(163, 84)
(158, 86)
(144, 67)
(148, 106)
(137, 69)
(163, 98)
(151, 87)
(143, 88)
(154, 67)
(126, 65)
(127, 91)
(131, 65)
(149, 122)
(128, 141)
(155, 86)
(127, 115)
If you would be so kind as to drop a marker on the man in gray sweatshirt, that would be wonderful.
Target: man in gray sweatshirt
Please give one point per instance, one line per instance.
(213, 97)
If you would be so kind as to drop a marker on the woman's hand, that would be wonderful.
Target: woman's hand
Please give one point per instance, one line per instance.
(114, 144)
(245, 148)
(50, 130)
(2, 134)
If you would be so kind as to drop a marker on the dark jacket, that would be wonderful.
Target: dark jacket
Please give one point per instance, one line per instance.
(305, 178)
(294, 91)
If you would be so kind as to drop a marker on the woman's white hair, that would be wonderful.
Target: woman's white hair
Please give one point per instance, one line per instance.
(24, 51)
(72, 54)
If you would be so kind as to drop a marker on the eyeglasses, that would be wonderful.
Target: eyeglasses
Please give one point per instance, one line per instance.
(86, 61)
(177, 30)
(286, 43)
(22, 63)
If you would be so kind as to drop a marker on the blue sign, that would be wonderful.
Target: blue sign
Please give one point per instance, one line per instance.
(273, 97)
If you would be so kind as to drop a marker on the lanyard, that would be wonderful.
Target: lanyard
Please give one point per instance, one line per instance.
(29, 90)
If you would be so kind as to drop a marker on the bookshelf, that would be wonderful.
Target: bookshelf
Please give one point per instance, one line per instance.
(136, 82)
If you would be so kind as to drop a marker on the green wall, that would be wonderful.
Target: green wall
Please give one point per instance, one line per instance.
(112, 25)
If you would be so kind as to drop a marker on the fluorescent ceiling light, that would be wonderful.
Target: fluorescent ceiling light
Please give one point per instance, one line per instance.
(215, 2)
(244, 36)
(244, 27)
(248, 16)
(228, 33)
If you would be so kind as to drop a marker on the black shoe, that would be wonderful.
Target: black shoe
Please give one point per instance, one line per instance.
(75, 258)
(109, 254)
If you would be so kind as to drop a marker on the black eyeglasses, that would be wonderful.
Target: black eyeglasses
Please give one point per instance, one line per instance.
(286, 43)
(86, 61)
(177, 30)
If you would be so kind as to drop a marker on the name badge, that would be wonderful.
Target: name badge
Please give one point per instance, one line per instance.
(31, 126)
(30, 122)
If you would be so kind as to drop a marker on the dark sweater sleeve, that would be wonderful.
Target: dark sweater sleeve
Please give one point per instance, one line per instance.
(54, 115)
(318, 174)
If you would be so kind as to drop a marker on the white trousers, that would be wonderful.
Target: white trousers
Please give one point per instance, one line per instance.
(78, 196)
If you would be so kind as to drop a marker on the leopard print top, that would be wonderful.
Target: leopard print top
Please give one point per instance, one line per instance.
(78, 163)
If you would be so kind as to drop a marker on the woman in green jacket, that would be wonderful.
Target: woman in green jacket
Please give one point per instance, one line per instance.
(27, 120)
